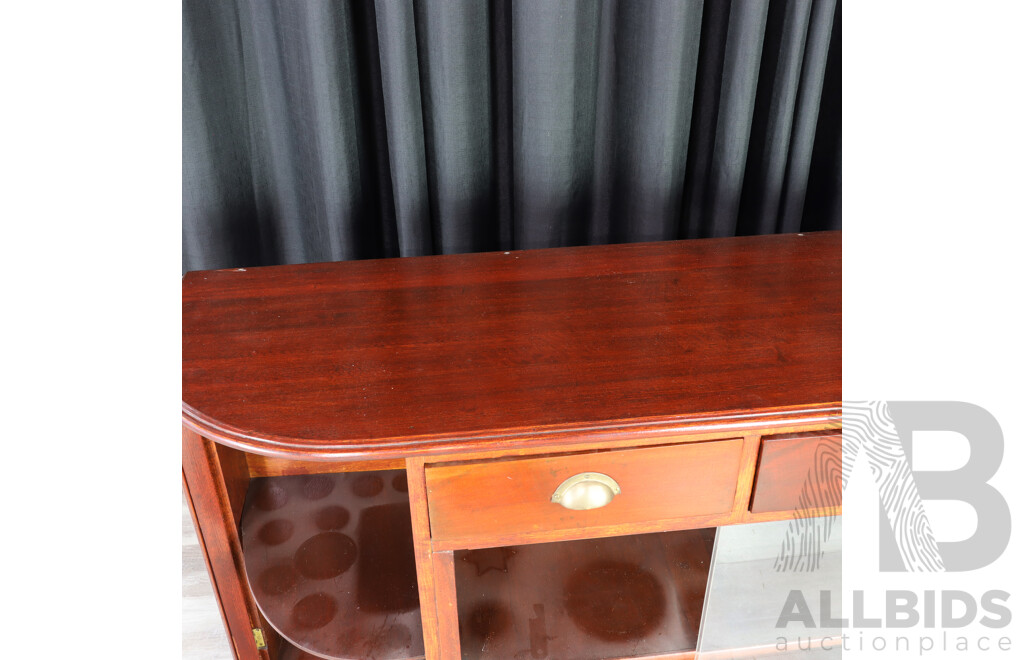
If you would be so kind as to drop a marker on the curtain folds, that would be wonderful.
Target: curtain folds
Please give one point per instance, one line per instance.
(328, 130)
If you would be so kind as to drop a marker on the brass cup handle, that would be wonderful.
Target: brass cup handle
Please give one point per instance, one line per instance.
(587, 490)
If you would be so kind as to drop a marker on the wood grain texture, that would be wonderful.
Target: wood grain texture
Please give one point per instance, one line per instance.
(235, 474)
(447, 605)
(799, 472)
(436, 363)
(208, 500)
(424, 562)
(477, 503)
(435, 355)
(748, 468)
(266, 466)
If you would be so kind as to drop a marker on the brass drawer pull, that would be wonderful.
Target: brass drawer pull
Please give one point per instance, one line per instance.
(587, 490)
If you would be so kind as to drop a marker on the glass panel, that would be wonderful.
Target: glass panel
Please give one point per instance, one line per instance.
(619, 597)
(763, 570)
(331, 564)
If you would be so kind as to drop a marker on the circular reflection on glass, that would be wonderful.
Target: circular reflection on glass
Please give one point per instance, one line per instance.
(614, 601)
(326, 555)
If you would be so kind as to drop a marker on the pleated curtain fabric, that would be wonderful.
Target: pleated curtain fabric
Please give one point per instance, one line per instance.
(326, 130)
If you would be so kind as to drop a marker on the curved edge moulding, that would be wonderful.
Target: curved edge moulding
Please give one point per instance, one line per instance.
(330, 562)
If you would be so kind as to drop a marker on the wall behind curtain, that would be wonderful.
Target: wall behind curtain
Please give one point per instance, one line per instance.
(329, 130)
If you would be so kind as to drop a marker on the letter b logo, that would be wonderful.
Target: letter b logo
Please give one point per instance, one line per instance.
(884, 432)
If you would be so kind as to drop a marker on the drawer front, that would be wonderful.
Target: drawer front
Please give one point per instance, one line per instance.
(799, 472)
(498, 500)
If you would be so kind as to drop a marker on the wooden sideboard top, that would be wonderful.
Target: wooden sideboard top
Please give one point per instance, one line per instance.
(403, 357)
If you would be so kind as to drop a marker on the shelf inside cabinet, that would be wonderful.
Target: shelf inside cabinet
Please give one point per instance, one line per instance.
(621, 597)
(329, 559)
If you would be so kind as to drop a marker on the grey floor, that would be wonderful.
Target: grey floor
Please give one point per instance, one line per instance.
(202, 629)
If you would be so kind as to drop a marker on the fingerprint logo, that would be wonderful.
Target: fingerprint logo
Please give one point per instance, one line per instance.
(806, 536)
(869, 428)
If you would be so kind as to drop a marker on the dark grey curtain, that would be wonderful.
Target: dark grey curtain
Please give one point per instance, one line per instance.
(316, 131)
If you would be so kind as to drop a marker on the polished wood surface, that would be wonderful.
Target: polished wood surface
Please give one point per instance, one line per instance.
(704, 376)
(425, 577)
(404, 357)
(474, 504)
(331, 565)
(800, 472)
(205, 491)
(628, 596)
(445, 592)
(266, 466)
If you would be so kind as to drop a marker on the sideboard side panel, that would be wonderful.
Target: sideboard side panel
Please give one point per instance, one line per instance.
(218, 537)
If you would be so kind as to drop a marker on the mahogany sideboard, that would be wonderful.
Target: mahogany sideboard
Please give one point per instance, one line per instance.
(523, 454)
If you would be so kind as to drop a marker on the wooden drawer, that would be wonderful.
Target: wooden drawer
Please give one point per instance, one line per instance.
(799, 472)
(502, 501)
